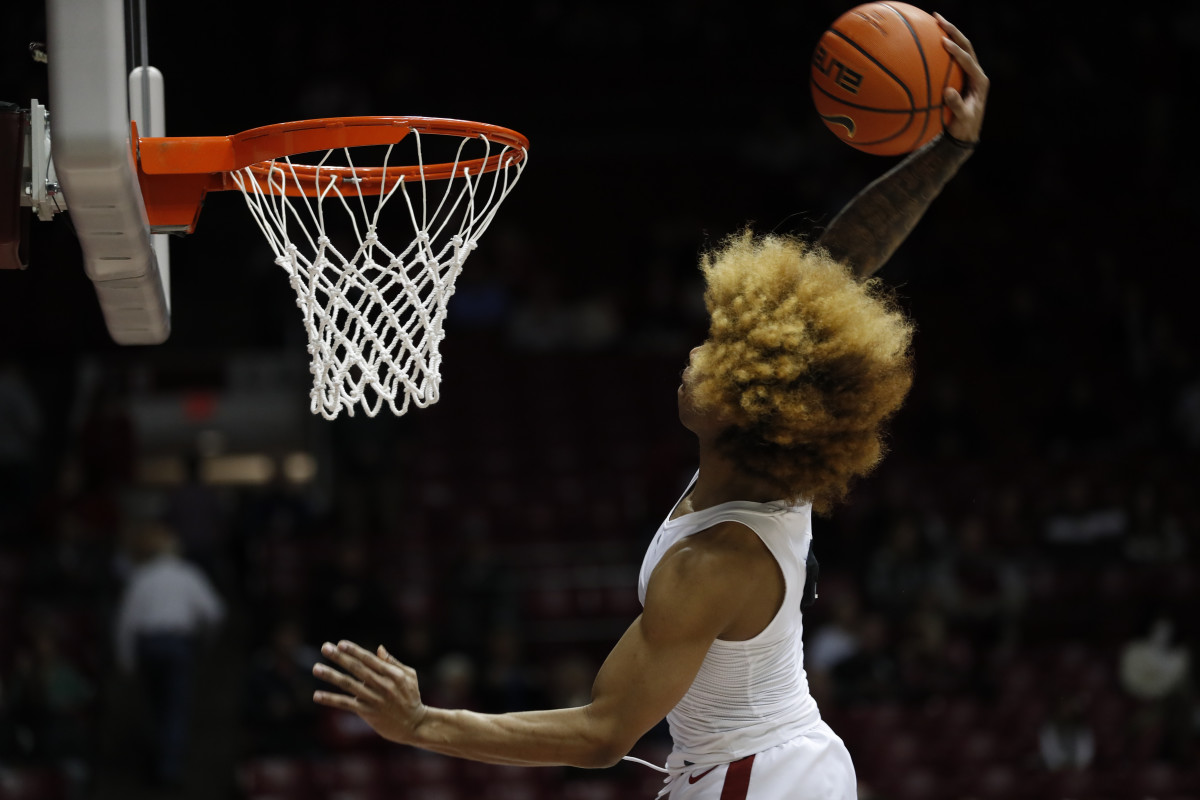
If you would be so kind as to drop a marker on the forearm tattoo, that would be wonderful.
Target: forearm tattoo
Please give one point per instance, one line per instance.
(872, 225)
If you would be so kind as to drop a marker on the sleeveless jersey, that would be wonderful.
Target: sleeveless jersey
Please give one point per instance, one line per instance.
(750, 695)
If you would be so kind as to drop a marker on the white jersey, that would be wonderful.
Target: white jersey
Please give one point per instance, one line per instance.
(751, 695)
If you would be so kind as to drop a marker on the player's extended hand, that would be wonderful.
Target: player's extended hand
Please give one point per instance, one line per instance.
(378, 688)
(967, 108)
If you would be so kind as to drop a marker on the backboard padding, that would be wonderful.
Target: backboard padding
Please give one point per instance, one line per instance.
(91, 140)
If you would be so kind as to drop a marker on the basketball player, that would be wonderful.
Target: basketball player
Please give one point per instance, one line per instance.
(803, 364)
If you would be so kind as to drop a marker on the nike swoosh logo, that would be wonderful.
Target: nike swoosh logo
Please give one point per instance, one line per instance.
(694, 778)
(837, 119)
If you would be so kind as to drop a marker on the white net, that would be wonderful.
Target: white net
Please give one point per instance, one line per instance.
(374, 315)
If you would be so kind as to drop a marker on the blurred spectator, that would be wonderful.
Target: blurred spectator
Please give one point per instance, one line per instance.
(346, 601)
(94, 510)
(417, 647)
(107, 442)
(166, 607)
(478, 595)
(509, 682)
(1066, 740)
(1010, 522)
(836, 640)
(931, 663)
(832, 643)
(279, 689)
(51, 700)
(870, 675)
(266, 522)
(1156, 671)
(197, 513)
(1154, 667)
(570, 680)
(453, 684)
(1155, 535)
(979, 587)
(69, 565)
(949, 426)
(1082, 531)
(898, 572)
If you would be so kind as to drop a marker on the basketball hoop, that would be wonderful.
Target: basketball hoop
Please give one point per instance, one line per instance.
(373, 313)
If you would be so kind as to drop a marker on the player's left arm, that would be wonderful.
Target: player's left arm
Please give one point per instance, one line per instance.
(880, 217)
(692, 597)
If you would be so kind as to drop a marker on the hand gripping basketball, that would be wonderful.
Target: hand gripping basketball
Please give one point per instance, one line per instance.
(967, 109)
(880, 74)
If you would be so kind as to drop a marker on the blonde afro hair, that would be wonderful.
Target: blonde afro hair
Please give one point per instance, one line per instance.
(802, 361)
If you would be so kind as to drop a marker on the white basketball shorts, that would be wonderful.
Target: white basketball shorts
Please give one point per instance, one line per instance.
(814, 766)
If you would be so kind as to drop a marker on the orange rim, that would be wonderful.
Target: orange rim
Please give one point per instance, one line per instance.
(175, 172)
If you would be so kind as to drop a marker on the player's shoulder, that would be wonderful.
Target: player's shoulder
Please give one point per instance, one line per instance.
(726, 550)
(700, 583)
(703, 583)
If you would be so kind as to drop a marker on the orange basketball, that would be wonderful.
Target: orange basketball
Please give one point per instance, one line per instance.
(877, 78)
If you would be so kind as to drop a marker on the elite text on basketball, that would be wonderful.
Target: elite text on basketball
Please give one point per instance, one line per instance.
(842, 75)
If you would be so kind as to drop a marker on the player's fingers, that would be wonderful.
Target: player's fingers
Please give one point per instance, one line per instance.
(349, 660)
(383, 674)
(391, 670)
(344, 682)
(967, 61)
(954, 101)
(339, 701)
(390, 659)
(955, 34)
(365, 657)
(977, 80)
(395, 662)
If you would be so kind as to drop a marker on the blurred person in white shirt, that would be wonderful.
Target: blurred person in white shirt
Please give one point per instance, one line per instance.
(167, 607)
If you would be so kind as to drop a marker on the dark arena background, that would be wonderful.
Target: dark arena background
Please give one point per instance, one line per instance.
(1007, 603)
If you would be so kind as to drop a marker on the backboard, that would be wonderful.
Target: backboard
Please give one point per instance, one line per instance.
(79, 156)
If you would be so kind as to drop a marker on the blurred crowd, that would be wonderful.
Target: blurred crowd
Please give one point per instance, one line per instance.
(1006, 601)
(1006, 606)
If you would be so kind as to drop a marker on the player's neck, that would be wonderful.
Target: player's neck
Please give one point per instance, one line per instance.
(720, 481)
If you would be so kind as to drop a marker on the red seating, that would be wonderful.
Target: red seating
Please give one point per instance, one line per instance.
(1161, 780)
(978, 749)
(995, 783)
(265, 778)
(343, 731)
(497, 782)
(591, 789)
(917, 784)
(430, 767)
(892, 755)
(32, 784)
(355, 771)
(1070, 784)
(431, 772)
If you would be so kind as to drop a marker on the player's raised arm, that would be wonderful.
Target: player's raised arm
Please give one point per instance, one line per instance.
(873, 224)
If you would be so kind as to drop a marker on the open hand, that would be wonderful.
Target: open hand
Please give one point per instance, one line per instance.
(967, 107)
(379, 689)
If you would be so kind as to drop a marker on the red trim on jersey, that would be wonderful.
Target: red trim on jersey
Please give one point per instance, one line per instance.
(737, 779)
